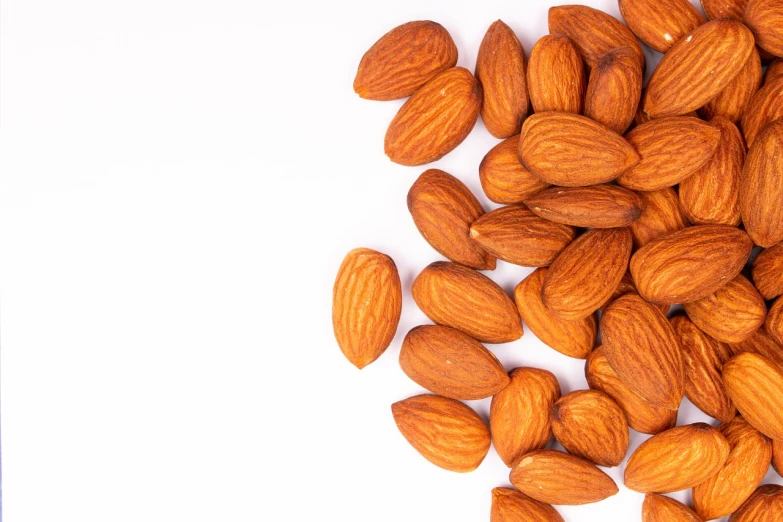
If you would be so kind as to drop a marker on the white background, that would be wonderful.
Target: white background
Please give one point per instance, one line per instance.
(179, 181)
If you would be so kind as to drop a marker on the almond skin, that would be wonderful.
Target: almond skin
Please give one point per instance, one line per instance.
(437, 118)
(516, 235)
(657, 508)
(449, 363)
(457, 296)
(572, 338)
(671, 150)
(764, 505)
(503, 177)
(366, 305)
(774, 323)
(586, 273)
(684, 266)
(754, 384)
(625, 287)
(768, 271)
(697, 68)
(774, 71)
(676, 459)
(556, 76)
(643, 349)
(761, 187)
(749, 456)
(555, 477)
(661, 215)
(573, 151)
(509, 505)
(443, 208)
(599, 206)
(715, 9)
(765, 19)
(660, 23)
(519, 414)
(614, 89)
(763, 108)
(732, 100)
(500, 68)
(590, 425)
(444, 431)
(403, 60)
(777, 456)
(761, 343)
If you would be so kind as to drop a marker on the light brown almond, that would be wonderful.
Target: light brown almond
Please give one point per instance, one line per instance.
(556, 76)
(765, 19)
(509, 505)
(774, 323)
(768, 271)
(715, 9)
(614, 89)
(761, 343)
(761, 187)
(661, 215)
(503, 177)
(657, 508)
(598, 206)
(660, 23)
(625, 287)
(764, 505)
(763, 108)
(754, 385)
(732, 100)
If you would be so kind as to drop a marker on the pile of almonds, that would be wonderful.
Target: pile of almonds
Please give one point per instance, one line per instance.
(627, 201)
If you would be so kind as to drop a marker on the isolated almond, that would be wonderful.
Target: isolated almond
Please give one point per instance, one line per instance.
(509, 505)
(761, 343)
(661, 215)
(443, 208)
(555, 477)
(657, 508)
(774, 323)
(765, 19)
(403, 60)
(444, 431)
(519, 414)
(449, 363)
(761, 187)
(732, 313)
(598, 206)
(457, 296)
(500, 67)
(586, 273)
(671, 149)
(437, 118)
(625, 287)
(676, 459)
(660, 23)
(768, 271)
(503, 177)
(749, 456)
(774, 71)
(643, 349)
(556, 76)
(755, 384)
(764, 107)
(689, 264)
(516, 235)
(697, 68)
(764, 505)
(732, 100)
(614, 89)
(715, 9)
(573, 151)
(366, 305)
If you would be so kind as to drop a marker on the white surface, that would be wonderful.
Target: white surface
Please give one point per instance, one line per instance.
(180, 181)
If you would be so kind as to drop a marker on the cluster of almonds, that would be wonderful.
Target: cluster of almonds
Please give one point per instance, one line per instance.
(672, 210)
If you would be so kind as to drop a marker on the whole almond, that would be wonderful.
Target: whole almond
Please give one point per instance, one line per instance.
(774, 71)
(768, 271)
(777, 456)
(764, 505)
(516, 235)
(500, 67)
(555, 477)
(443, 208)
(573, 151)
(403, 60)
(715, 9)
(366, 305)
(761, 187)
(732, 101)
(444, 431)
(598, 206)
(556, 76)
(660, 23)
(764, 107)
(519, 414)
(765, 19)
(754, 385)
(626, 287)
(774, 323)
(503, 177)
(437, 118)
(449, 363)
(457, 296)
(761, 343)
(509, 505)
(661, 215)
(657, 508)
(642, 117)
(614, 89)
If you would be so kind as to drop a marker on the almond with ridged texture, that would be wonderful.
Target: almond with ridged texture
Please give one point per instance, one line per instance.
(761, 343)
(519, 414)
(555, 477)
(774, 323)
(572, 338)
(447, 362)
(590, 425)
(764, 505)
(777, 456)
(762, 109)
(516, 235)
(755, 385)
(443, 208)
(661, 215)
(732, 100)
(509, 505)
(697, 68)
(598, 206)
(657, 508)
(556, 76)
(435, 120)
(684, 266)
(732, 313)
(403, 60)
(660, 23)
(642, 117)
(765, 19)
(503, 177)
(458, 296)
(774, 71)
(614, 89)
(761, 187)
(573, 151)
(586, 273)
(704, 358)
(768, 271)
(366, 305)
(500, 68)
(715, 9)
(642, 348)
(626, 287)
(444, 431)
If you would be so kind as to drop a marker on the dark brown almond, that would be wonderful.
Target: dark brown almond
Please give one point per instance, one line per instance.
(715, 9)
(556, 76)
(614, 89)
(754, 385)
(732, 100)
(765, 19)
(657, 508)
(761, 187)
(660, 23)
(761, 343)
(661, 215)
(763, 108)
(503, 177)
(764, 505)
(598, 206)
(509, 505)
(768, 271)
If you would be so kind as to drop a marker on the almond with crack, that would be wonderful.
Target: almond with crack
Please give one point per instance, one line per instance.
(598, 206)
(715, 9)
(765, 19)
(764, 505)
(761, 343)
(763, 108)
(774, 323)
(509, 505)
(660, 23)
(732, 100)
(503, 177)
(661, 215)
(657, 508)
(556, 76)
(768, 271)
(761, 187)
(614, 89)
(755, 385)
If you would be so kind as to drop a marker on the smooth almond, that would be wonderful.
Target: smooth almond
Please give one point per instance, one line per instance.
(598, 206)
(761, 187)
(755, 384)
(763, 108)
(556, 76)
(614, 89)
(768, 271)
(764, 505)
(765, 19)
(761, 343)
(657, 508)
(503, 177)
(509, 505)
(660, 23)
(715, 9)
(661, 215)
(732, 101)
(774, 323)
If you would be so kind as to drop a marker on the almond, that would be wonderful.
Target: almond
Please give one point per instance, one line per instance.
(626, 287)
(558, 478)
(755, 384)
(500, 68)
(642, 117)
(777, 456)
(761, 343)
(614, 89)
(764, 107)
(768, 271)
(503, 177)
(657, 508)
(449, 363)
(715, 9)
(599, 206)
(697, 68)
(764, 505)
(444, 431)
(573, 151)
(684, 266)
(765, 19)
(437, 118)
(671, 149)
(509, 505)
(457, 296)
(661, 215)
(556, 76)
(590, 425)
(732, 100)
(749, 456)
(572, 338)
(774, 71)
(516, 235)
(403, 60)
(642, 348)
(366, 305)
(774, 323)
(586, 273)
(443, 208)
(761, 187)
(519, 414)
(660, 23)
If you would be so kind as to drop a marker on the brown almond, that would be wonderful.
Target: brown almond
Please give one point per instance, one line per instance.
(768, 271)
(556, 76)
(732, 100)
(598, 206)
(761, 343)
(660, 23)
(765, 19)
(763, 108)
(774, 71)
(661, 215)
(614, 89)
(626, 287)
(764, 505)
(761, 187)
(503, 177)
(509, 505)
(774, 323)
(657, 508)
(715, 9)
(754, 385)
(642, 117)
(777, 456)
